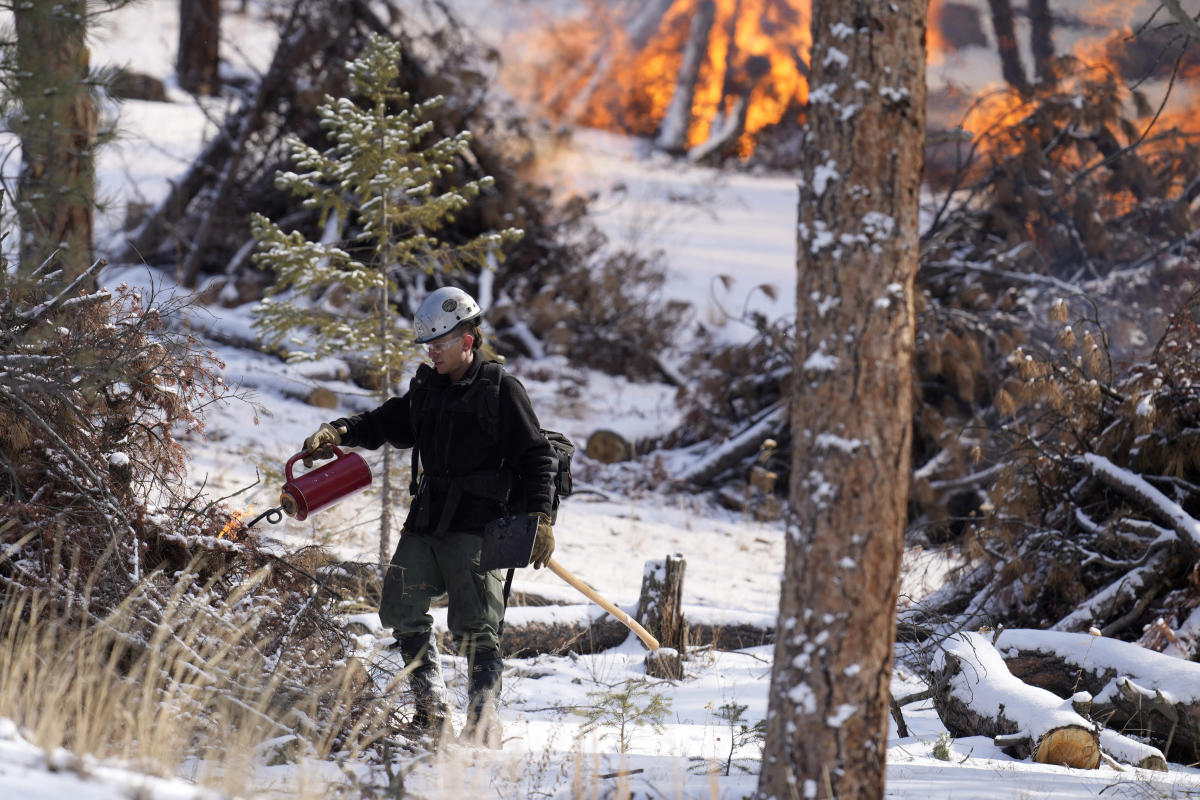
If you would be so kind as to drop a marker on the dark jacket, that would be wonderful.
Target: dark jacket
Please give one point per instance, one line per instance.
(473, 472)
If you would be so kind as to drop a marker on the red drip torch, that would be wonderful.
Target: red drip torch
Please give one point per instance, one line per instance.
(345, 475)
(320, 488)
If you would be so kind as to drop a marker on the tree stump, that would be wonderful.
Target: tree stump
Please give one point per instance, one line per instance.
(660, 610)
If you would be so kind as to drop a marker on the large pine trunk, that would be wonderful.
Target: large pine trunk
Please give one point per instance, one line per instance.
(57, 127)
(857, 259)
(199, 46)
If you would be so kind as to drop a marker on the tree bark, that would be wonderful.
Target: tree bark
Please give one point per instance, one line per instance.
(1006, 44)
(851, 413)
(57, 128)
(199, 46)
(660, 606)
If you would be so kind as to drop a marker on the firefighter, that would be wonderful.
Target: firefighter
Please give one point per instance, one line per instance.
(481, 456)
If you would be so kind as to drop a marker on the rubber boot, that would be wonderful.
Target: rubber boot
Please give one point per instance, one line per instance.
(483, 703)
(431, 700)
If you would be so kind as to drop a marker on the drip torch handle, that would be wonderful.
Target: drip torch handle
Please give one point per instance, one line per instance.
(287, 470)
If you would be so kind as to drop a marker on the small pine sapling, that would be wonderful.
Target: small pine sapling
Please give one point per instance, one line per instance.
(740, 733)
(386, 195)
(634, 706)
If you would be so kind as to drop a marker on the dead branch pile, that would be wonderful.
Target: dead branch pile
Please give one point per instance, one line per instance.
(96, 527)
(1059, 389)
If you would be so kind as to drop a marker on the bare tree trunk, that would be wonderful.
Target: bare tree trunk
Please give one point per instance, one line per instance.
(57, 126)
(851, 415)
(1006, 43)
(1042, 41)
(199, 46)
(673, 131)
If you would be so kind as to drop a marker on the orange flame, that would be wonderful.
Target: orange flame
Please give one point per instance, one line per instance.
(234, 527)
(758, 48)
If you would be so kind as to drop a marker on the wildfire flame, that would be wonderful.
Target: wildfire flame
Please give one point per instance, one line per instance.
(758, 48)
(234, 527)
(619, 67)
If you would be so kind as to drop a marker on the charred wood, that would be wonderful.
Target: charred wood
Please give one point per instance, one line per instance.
(1006, 44)
(660, 606)
(1042, 40)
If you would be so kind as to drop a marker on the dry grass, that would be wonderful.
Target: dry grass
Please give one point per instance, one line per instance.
(179, 680)
(179, 674)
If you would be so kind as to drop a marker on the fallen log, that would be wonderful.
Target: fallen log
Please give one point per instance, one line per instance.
(976, 695)
(1133, 689)
(582, 628)
(748, 441)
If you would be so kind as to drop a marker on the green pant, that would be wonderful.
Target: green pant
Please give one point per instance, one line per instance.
(425, 566)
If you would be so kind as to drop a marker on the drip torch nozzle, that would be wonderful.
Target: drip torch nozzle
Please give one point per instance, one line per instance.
(273, 515)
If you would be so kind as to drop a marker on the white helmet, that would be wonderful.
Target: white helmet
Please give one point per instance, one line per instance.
(443, 311)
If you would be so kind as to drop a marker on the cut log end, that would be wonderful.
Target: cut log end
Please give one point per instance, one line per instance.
(1069, 746)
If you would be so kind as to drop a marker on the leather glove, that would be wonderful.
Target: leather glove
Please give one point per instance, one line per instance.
(319, 446)
(543, 543)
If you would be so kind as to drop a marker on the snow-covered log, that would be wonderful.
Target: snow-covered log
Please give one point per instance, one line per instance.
(735, 449)
(1125, 750)
(584, 628)
(1137, 489)
(1133, 688)
(1129, 591)
(977, 695)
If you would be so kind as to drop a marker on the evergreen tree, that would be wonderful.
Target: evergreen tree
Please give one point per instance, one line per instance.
(385, 193)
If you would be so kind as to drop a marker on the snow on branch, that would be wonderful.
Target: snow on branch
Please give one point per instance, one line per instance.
(1174, 677)
(1136, 488)
(1128, 589)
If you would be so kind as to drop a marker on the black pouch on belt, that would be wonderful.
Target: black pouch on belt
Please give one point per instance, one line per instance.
(508, 542)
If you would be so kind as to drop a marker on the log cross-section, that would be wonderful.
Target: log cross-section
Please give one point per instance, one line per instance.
(977, 695)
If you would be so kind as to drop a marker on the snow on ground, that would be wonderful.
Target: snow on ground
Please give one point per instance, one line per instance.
(709, 225)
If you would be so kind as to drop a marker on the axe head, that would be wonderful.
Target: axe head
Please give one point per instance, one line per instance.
(508, 542)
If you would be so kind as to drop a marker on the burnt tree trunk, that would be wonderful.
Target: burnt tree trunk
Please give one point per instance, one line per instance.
(57, 127)
(1006, 44)
(199, 46)
(673, 132)
(851, 413)
(1042, 41)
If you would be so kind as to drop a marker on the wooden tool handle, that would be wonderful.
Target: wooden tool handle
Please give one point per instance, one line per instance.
(607, 605)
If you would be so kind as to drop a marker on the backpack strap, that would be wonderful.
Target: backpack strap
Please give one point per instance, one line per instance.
(417, 390)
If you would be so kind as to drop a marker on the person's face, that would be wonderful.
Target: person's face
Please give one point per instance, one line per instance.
(451, 354)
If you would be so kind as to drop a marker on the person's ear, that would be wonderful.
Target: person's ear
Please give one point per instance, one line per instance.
(470, 341)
